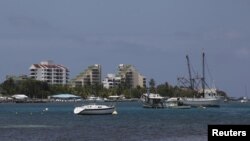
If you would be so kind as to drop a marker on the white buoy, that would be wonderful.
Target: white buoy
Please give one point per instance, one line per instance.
(46, 109)
(203, 107)
(114, 113)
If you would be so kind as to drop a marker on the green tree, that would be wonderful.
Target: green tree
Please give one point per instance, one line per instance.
(152, 85)
(34, 88)
(9, 87)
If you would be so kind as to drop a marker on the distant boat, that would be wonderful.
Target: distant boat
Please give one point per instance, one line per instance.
(244, 99)
(20, 96)
(152, 100)
(115, 98)
(225, 100)
(176, 103)
(207, 97)
(94, 99)
(93, 109)
(119, 98)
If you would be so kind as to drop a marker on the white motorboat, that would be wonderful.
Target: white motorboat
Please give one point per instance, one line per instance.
(94, 99)
(176, 103)
(116, 98)
(152, 100)
(93, 109)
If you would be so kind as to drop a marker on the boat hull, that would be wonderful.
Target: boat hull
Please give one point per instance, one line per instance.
(201, 102)
(176, 105)
(179, 107)
(149, 105)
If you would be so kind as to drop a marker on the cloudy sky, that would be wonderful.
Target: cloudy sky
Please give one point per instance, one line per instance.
(152, 35)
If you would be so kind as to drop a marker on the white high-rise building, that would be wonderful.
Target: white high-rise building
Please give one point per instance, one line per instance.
(49, 72)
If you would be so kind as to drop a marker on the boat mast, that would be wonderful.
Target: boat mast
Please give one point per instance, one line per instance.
(203, 73)
(189, 72)
(246, 91)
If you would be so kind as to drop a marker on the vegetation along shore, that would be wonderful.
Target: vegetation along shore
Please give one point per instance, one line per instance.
(41, 90)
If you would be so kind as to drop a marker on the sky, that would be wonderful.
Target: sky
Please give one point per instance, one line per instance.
(153, 35)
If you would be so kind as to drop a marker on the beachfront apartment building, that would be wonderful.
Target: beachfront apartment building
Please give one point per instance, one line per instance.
(49, 72)
(90, 76)
(130, 76)
(126, 76)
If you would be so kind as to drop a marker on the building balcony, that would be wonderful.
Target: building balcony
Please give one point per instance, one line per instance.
(33, 69)
(58, 73)
(57, 77)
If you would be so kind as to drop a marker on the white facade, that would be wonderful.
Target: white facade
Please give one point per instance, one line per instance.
(49, 72)
(111, 81)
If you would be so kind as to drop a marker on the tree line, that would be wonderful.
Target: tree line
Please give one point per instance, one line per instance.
(39, 89)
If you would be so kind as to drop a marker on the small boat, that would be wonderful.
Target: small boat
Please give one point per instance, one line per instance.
(116, 98)
(95, 99)
(152, 100)
(244, 100)
(93, 109)
(176, 103)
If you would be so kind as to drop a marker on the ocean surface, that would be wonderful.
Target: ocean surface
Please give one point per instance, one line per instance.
(28, 122)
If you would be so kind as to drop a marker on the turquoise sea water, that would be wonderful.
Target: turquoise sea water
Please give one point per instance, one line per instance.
(28, 122)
